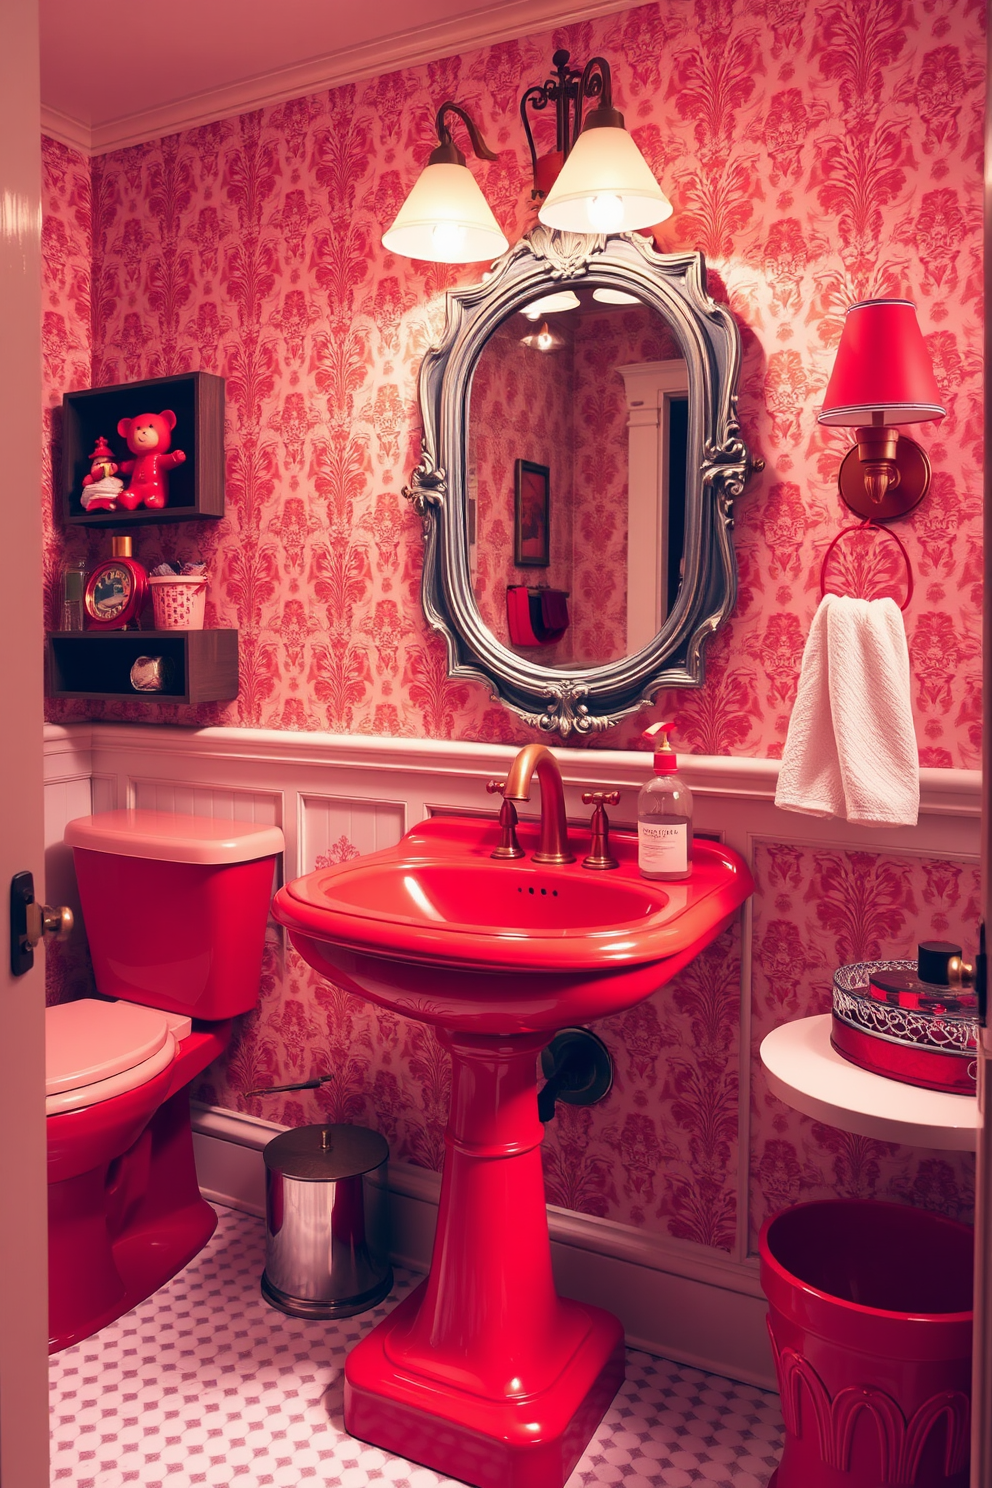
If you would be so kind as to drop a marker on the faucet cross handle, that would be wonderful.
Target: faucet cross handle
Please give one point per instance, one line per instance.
(508, 847)
(599, 853)
(601, 798)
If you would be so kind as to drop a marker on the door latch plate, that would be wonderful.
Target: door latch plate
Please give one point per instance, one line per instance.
(30, 922)
(21, 898)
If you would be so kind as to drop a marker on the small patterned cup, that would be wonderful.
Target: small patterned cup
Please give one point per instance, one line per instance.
(178, 601)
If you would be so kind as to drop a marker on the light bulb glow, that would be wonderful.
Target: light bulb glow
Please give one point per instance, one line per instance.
(605, 212)
(448, 237)
(542, 340)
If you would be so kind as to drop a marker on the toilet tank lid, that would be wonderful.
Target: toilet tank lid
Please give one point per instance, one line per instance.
(170, 837)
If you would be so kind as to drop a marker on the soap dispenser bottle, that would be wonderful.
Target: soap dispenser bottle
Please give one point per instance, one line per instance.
(664, 814)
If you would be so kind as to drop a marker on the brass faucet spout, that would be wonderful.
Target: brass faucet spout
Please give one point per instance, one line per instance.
(536, 758)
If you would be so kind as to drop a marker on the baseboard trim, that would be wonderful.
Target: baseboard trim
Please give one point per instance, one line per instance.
(679, 1301)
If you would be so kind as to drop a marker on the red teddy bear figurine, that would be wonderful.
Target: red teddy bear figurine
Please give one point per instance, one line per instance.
(148, 438)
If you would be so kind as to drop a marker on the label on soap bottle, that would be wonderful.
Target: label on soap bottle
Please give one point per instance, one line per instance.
(662, 847)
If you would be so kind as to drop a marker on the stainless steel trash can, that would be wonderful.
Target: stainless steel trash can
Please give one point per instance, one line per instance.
(327, 1221)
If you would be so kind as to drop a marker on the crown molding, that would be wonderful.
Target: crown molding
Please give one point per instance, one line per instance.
(66, 130)
(504, 20)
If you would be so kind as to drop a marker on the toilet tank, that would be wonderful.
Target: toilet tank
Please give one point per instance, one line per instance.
(175, 907)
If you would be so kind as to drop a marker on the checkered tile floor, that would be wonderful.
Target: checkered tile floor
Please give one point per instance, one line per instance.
(205, 1383)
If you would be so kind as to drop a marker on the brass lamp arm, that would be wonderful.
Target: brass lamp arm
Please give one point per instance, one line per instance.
(562, 89)
(597, 82)
(447, 152)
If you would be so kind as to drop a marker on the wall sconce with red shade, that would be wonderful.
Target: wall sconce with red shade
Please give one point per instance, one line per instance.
(595, 181)
(882, 376)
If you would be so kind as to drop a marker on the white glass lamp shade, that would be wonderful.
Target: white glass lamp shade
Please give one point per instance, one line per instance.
(604, 186)
(607, 296)
(553, 304)
(446, 219)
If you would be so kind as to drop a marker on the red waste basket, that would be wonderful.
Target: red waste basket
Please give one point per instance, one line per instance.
(870, 1322)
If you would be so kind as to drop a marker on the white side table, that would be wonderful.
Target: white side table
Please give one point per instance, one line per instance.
(808, 1074)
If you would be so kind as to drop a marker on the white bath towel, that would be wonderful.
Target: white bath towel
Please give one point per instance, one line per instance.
(851, 747)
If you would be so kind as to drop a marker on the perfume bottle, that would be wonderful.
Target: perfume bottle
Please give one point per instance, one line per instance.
(73, 588)
(664, 815)
(936, 986)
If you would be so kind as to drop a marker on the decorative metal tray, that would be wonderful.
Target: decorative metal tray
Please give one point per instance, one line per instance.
(930, 1047)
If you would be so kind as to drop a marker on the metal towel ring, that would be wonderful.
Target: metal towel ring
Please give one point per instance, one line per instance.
(886, 532)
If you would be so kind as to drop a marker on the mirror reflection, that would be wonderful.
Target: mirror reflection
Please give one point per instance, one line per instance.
(578, 422)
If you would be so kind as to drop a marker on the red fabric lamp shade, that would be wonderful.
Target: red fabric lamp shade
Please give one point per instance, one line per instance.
(882, 368)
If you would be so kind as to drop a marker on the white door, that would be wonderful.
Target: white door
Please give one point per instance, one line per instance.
(23, 1226)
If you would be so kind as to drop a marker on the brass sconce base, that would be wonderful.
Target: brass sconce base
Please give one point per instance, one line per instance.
(914, 482)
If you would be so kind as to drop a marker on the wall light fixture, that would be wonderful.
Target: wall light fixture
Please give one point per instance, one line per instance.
(552, 304)
(595, 181)
(882, 376)
(605, 185)
(446, 218)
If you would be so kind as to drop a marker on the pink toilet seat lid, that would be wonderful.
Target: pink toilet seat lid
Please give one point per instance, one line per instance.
(87, 1041)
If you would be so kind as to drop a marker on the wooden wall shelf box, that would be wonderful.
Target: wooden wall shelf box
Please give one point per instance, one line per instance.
(196, 488)
(97, 664)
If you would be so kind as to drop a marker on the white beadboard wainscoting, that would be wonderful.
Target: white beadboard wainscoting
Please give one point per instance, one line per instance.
(676, 1299)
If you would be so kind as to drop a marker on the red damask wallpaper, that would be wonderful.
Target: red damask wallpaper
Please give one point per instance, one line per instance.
(815, 153)
(67, 343)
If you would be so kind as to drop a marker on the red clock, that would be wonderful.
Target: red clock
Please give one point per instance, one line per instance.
(116, 590)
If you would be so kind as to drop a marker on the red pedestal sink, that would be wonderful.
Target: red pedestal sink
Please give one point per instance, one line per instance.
(484, 1373)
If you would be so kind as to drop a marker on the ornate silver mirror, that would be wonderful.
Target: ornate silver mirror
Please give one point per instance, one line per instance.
(581, 454)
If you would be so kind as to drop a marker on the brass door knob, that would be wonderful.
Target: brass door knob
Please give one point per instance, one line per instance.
(56, 923)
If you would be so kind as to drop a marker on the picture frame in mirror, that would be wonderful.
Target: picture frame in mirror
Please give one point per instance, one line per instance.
(531, 515)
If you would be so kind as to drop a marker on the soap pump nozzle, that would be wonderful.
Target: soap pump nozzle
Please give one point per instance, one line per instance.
(665, 759)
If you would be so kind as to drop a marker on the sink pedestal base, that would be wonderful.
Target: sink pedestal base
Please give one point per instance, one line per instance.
(532, 1443)
(484, 1373)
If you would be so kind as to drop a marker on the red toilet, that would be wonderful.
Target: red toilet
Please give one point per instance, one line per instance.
(175, 909)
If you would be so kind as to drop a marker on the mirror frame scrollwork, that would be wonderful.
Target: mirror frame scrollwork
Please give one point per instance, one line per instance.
(586, 700)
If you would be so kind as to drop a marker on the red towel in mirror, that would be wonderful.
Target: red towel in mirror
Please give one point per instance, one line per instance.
(554, 610)
(528, 612)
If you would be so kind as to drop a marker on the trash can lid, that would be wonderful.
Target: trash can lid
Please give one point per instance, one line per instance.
(325, 1154)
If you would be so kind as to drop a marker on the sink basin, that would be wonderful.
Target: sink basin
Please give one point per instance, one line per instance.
(413, 927)
(511, 902)
(483, 1373)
